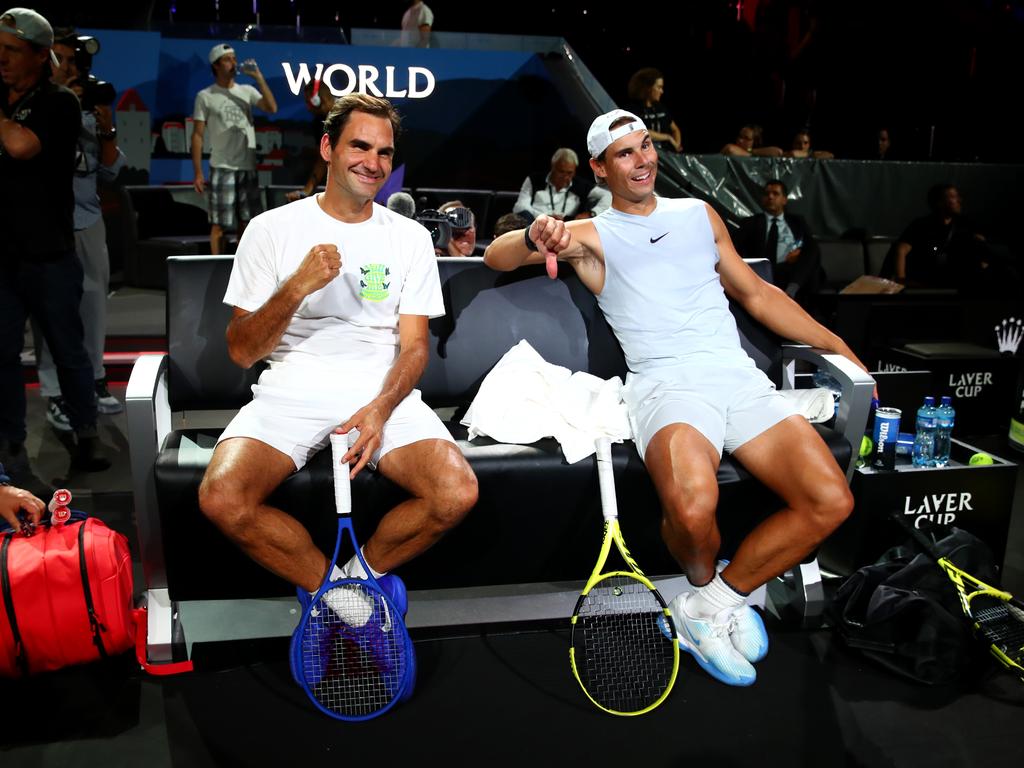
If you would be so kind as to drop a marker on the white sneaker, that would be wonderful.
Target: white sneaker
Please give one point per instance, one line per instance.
(708, 641)
(106, 403)
(350, 603)
(747, 633)
(57, 416)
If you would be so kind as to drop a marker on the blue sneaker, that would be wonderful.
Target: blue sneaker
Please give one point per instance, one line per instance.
(394, 588)
(708, 641)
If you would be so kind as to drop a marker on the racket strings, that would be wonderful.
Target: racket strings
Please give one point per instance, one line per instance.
(352, 666)
(624, 660)
(1002, 625)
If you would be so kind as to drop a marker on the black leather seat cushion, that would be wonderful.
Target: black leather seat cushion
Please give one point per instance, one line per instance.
(538, 518)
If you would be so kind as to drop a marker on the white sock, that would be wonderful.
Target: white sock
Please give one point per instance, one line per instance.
(353, 569)
(713, 598)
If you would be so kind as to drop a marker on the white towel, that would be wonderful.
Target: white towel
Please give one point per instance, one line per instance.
(524, 398)
(817, 405)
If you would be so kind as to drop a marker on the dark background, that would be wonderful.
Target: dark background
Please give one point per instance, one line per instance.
(943, 75)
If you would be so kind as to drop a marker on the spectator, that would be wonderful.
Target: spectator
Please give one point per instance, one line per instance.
(40, 275)
(463, 239)
(98, 158)
(227, 107)
(801, 147)
(944, 249)
(509, 222)
(786, 241)
(645, 90)
(319, 101)
(559, 193)
(417, 21)
(748, 143)
(18, 506)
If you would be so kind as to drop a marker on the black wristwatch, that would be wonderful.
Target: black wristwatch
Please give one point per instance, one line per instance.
(107, 135)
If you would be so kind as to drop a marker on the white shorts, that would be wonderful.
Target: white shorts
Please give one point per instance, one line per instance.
(728, 405)
(296, 413)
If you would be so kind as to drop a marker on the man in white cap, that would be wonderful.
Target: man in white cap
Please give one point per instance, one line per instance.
(662, 270)
(225, 110)
(40, 275)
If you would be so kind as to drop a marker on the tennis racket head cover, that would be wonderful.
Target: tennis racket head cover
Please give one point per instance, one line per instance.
(351, 652)
(623, 649)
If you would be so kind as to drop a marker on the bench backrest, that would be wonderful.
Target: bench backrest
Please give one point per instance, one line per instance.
(488, 312)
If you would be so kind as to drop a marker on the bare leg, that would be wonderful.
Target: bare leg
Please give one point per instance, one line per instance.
(216, 238)
(443, 489)
(242, 474)
(793, 461)
(684, 466)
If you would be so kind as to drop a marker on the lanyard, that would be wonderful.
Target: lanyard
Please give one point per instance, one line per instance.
(551, 197)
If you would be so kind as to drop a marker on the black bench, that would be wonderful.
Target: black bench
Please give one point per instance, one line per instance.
(536, 522)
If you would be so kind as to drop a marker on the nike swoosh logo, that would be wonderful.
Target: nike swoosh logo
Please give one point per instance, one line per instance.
(656, 239)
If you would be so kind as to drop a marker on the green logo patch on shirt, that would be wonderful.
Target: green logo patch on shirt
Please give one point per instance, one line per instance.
(372, 282)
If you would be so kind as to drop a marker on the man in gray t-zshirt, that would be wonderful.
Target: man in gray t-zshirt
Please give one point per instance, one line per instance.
(226, 109)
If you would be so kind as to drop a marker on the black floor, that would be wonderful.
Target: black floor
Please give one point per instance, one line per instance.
(499, 697)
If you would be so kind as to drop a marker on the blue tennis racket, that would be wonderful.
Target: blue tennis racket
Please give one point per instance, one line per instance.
(351, 652)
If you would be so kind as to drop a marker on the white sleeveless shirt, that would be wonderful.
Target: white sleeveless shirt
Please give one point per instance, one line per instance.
(662, 295)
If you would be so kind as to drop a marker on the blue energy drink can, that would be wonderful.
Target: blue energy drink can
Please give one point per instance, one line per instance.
(887, 430)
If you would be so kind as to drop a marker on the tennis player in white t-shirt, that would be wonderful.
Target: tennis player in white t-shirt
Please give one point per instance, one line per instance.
(335, 292)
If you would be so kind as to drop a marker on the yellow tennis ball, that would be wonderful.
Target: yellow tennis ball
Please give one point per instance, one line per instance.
(980, 458)
(866, 446)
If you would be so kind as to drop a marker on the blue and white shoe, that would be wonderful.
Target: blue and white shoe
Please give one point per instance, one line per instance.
(708, 641)
(746, 629)
(747, 633)
(394, 588)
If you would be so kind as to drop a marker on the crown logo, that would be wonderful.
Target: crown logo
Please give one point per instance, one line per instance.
(1008, 335)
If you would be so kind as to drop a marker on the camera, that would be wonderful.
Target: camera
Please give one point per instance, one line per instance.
(440, 225)
(94, 92)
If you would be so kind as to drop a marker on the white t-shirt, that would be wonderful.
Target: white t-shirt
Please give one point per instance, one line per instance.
(227, 113)
(388, 268)
(414, 18)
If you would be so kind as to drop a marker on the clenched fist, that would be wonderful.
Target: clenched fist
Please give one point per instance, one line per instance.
(321, 265)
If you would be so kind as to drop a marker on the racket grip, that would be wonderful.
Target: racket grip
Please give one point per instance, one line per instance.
(606, 478)
(342, 484)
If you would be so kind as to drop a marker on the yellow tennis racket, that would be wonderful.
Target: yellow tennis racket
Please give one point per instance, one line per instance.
(623, 648)
(997, 616)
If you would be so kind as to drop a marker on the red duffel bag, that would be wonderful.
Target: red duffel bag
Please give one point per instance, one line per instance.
(67, 595)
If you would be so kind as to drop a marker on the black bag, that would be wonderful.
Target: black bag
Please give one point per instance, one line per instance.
(904, 613)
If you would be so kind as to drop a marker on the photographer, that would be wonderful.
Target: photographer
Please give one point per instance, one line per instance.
(452, 228)
(40, 276)
(97, 158)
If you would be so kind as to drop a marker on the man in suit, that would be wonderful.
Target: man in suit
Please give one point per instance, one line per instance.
(786, 241)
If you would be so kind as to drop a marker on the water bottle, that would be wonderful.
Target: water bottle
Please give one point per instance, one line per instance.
(824, 379)
(924, 439)
(945, 416)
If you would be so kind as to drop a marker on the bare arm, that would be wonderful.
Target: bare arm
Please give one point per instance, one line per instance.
(576, 242)
(254, 335)
(14, 500)
(900, 267)
(767, 304)
(19, 142)
(198, 130)
(268, 104)
(412, 359)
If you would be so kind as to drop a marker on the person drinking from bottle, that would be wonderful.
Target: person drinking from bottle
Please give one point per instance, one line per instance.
(223, 118)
